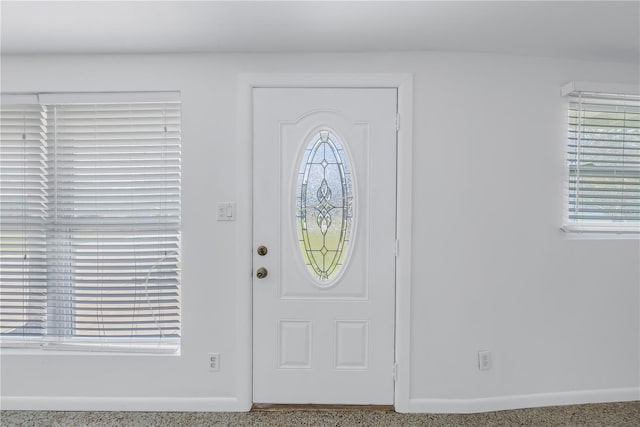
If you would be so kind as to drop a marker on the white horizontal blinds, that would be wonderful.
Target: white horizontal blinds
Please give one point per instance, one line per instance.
(604, 158)
(114, 267)
(23, 206)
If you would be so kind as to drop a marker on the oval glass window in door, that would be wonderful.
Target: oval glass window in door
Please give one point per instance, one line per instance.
(325, 205)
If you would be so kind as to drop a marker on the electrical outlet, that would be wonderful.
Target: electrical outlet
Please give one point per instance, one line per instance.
(484, 360)
(214, 362)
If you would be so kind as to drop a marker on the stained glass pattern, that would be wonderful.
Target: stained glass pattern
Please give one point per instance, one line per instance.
(324, 206)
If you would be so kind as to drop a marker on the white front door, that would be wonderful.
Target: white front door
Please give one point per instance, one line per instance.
(324, 221)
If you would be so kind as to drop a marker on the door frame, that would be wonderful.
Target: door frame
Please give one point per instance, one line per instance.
(403, 82)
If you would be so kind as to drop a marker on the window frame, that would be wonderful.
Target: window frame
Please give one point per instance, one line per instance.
(112, 344)
(592, 228)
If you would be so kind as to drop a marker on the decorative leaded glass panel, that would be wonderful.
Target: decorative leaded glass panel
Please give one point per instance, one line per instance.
(324, 206)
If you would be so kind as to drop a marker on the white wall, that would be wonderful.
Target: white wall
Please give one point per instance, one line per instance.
(491, 269)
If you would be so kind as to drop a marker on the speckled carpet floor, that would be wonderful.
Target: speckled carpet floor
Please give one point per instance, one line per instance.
(601, 415)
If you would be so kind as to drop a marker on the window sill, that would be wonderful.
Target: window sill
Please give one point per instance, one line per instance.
(77, 349)
(582, 231)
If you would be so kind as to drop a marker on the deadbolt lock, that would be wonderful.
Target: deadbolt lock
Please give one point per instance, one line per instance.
(261, 273)
(262, 250)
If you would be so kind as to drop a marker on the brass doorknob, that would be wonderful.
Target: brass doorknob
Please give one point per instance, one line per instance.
(262, 250)
(261, 273)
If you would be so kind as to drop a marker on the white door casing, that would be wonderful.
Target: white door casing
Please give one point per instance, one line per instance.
(316, 341)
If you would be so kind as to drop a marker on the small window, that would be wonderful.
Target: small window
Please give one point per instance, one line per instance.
(603, 162)
(324, 196)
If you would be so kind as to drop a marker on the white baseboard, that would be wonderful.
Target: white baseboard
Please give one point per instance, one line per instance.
(164, 404)
(488, 404)
(231, 404)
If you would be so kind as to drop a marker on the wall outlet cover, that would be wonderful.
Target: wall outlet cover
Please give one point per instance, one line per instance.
(484, 360)
(214, 362)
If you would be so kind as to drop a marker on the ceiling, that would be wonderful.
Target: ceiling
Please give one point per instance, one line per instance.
(593, 30)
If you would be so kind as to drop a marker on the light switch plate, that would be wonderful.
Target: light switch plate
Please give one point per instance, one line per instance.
(226, 211)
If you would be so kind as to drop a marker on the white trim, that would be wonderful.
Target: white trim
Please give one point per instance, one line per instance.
(607, 228)
(88, 97)
(501, 403)
(244, 224)
(160, 404)
(404, 234)
(226, 404)
(107, 97)
(593, 87)
(244, 169)
(19, 99)
(55, 349)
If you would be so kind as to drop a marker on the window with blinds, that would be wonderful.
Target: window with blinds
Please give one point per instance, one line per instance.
(91, 225)
(603, 154)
